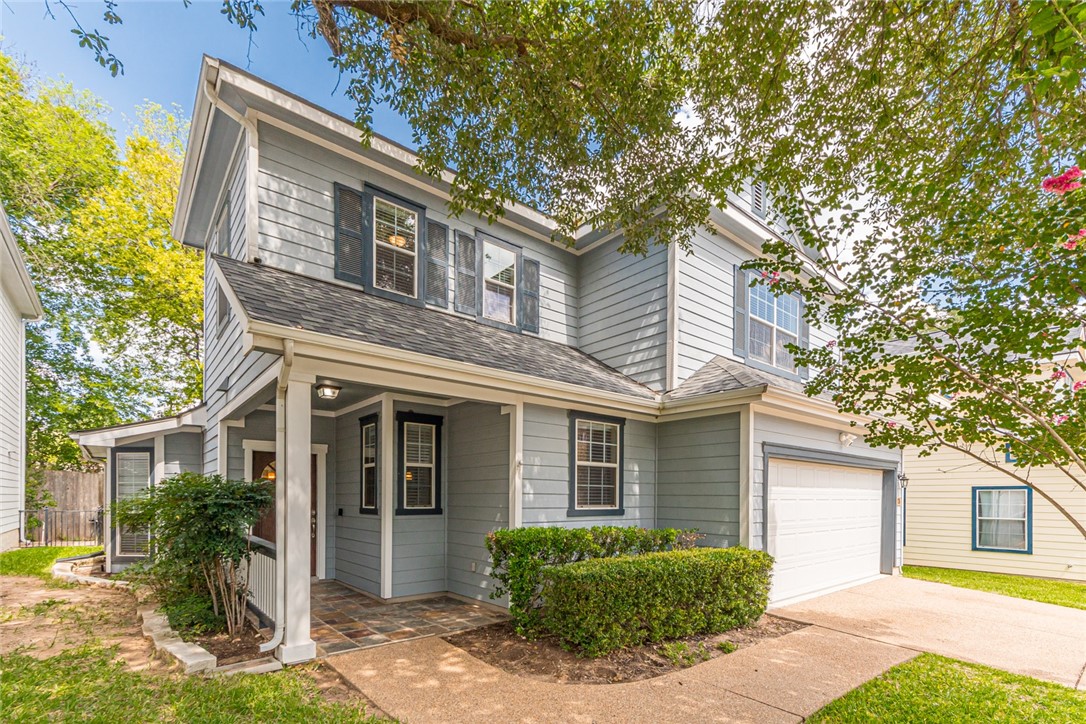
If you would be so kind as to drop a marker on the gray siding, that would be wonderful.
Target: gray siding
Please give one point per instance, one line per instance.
(182, 453)
(418, 541)
(260, 425)
(782, 431)
(623, 311)
(546, 472)
(358, 535)
(699, 477)
(296, 218)
(478, 491)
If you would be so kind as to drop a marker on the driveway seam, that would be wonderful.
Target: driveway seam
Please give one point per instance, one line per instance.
(802, 718)
(1081, 677)
(865, 638)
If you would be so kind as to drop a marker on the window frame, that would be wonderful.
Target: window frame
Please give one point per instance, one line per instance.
(377, 244)
(370, 194)
(774, 329)
(481, 241)
(1028, 519)
(363, 423)
(575, 418)
(222, 231)
(149, 453)
(435, 421)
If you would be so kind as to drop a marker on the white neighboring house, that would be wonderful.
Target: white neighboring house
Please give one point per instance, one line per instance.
(19, 304)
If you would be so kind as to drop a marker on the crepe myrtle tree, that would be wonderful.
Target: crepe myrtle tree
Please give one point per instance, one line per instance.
(967, 335)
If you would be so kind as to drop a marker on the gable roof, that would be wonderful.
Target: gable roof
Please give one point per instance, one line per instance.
(294, 301)
(14, 278)
(721, 374)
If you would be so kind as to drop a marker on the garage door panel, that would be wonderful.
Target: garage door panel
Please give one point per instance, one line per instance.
(825, 526)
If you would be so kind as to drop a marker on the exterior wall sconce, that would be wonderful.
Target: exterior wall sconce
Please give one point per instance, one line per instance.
(903, 480)
(327, 391)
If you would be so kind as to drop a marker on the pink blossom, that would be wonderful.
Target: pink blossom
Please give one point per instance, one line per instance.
(1074, 239)
(772, 277)
(891, 424)
(1059, 419)
(1058, 374)
(1064, 182)
(831, 344)
(1078, 385)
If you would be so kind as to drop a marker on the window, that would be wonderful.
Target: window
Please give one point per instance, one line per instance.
(369, 464)
(774, 323)
(420, 463)
(132, 476)
(499, 283)
(222, 231)
(1002, 519)
(596, 453)
(222, 316)
(395, 243)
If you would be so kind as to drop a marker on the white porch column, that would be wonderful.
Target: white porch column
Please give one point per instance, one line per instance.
(293, 469)
(386, 466)
(516, 464)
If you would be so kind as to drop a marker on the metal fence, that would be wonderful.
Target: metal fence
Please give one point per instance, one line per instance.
(50, 527)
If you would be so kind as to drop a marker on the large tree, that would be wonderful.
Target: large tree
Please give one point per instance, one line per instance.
(122, 299)
(904, 142)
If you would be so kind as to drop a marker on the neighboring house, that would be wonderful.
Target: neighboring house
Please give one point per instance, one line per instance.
(18, 305)
(413, 381)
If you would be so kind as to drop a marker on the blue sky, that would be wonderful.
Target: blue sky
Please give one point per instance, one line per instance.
(160, 44)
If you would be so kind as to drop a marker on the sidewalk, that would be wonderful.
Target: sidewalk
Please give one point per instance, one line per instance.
(780, 680)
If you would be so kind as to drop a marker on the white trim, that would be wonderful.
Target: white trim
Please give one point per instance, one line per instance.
(516, 462)
(432, 465)
(159, 473)
(252, 187)
(315, 413)
(511, 288)
(616, 466)
(249, 446)
(387, 497)
(672, 373)
(244, 396)
(396, 249)
(746, 475)
(368, 466)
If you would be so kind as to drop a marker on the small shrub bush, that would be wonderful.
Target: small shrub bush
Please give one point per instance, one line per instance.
(520, 555)
(597, 606)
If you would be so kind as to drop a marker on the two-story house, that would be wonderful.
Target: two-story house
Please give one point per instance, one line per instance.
(413, 380)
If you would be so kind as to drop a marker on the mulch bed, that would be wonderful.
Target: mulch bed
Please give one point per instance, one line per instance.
(543, 659)
(231, 650)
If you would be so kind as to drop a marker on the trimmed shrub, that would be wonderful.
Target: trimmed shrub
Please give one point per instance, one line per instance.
(597, 606)
(518, 556)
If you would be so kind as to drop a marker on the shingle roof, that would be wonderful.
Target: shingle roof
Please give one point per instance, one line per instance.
(721, 374)
(291, 300)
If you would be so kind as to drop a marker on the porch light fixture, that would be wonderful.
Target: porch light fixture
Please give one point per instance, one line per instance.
(903, 480)
(326, 391)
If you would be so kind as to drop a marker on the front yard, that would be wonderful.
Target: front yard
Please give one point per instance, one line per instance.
(932, 688)
(1045, 590)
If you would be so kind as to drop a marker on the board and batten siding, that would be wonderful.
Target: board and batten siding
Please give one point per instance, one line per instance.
(939, 518)
(260, 425)
(478, 493)
(12, 418)
(698, 469)
(783, 431)
(357, 534)
(623, 311)
(297, 214)
(546, 472)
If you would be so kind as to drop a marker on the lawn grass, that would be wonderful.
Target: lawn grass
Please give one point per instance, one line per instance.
(38, 562)
(1060, 593)
(88, 684)
(931, 688)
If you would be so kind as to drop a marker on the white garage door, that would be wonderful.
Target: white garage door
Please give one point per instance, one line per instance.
(825, 527)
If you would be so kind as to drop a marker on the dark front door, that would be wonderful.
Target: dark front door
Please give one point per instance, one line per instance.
(264, 467)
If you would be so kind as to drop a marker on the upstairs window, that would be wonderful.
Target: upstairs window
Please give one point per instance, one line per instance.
(395, 243)
(499, 283)
(774, 324)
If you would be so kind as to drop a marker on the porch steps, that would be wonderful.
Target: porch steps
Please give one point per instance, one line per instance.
(254, 666)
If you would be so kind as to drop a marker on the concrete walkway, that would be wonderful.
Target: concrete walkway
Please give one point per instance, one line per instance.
(1024, 637)
(778, 680)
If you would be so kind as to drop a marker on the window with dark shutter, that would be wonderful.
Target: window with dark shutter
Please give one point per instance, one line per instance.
(437, 264)
(466, 292)
(529, 296)
(350, 234)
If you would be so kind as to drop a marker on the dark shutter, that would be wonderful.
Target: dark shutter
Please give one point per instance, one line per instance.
(529, 296)
(350, 219)
(739, 305)
(804, 339)
(437, 264)
(466, 261)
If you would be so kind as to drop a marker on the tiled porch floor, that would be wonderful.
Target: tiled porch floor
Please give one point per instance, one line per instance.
(345, 620)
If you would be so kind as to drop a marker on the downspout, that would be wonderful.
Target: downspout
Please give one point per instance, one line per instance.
(280, 498)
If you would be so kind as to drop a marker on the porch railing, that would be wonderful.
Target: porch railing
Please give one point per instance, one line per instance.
(262, 580)
(50, 527)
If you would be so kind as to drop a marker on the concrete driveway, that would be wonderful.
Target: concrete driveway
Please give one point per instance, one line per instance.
(1024, 637)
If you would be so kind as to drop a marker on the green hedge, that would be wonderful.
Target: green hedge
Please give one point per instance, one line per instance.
(598, 606)
(520, 555)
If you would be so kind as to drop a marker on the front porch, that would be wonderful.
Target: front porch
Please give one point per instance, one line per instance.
(344, 619)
